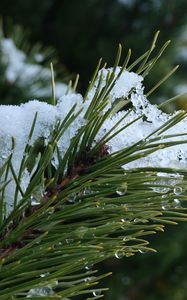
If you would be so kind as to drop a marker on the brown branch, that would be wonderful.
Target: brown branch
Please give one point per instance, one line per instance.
(76, 171)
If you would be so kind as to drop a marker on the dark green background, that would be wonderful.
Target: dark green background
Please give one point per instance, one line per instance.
(84, 30)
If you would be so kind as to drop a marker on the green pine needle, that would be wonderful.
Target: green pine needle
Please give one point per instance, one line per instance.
(90, 209)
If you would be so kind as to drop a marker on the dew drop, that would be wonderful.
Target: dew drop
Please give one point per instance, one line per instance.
(125, 224)
(34, 201)
(164, 196)
(98, 204)
(177, 203)
(45, 274)
(37, 195)
(72, 198)
(81, 231)
(125, 207)
(87, 279)
(121, 190)
(51, 210)
(165, 205)
(89, 266)
(87, 191)
(69, 241)
(90, 278)
(177, 190)
(96, 293)
(119, 254)
(136, 220)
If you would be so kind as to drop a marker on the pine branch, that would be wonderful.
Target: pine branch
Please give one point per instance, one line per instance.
(83, 203)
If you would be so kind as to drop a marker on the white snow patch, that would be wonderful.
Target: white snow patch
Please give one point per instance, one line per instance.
(33, 76)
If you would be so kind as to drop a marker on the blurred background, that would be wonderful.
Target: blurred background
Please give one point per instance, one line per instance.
(74, 34)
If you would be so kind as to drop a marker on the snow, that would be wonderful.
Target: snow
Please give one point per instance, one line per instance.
(127, 82)
(173, 157)
(44, 291)
(32, 75)
(16, 121)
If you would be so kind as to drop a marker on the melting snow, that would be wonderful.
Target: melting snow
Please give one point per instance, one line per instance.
(15, 121)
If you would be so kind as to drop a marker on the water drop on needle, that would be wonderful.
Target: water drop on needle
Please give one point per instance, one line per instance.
(177, 203)
(119, 254)
(89, 266)
(34, 201)
(177, 190)
(96, 293)
(121, 190)
(45, 274)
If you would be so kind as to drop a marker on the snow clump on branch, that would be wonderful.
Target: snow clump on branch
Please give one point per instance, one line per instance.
(140, 123)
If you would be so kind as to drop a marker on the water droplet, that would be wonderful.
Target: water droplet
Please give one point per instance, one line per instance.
(165, 205)
(121, 190)
(69, 241)
(177, 190)
(72, 198)
(89, 266)
(136, 220)
(54, 283)
(81, 231)
(96, 293)
(164, 196)
(177, 203)
(37, 195)
(50, 210)
(45, 274)
(98, 204)
(87, 279)
(125, 224)
(87, 191)
(34, 201)
(125, 207)
(119, 254)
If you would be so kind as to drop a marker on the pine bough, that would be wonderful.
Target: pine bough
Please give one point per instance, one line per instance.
(86, 178)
